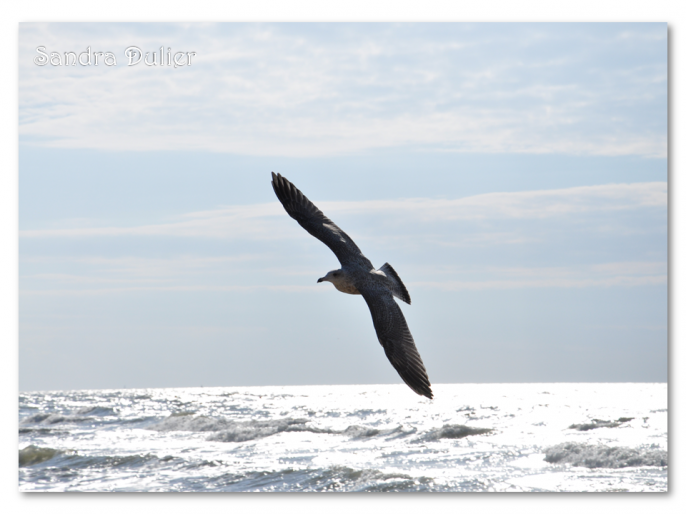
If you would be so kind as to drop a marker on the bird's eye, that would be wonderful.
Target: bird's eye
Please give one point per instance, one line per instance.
(335, 274)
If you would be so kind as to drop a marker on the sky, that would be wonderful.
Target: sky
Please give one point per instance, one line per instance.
(514, 175)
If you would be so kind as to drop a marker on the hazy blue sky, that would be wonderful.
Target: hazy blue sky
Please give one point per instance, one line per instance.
(515, 175)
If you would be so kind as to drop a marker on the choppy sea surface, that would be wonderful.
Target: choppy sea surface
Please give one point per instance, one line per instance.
(375, 438)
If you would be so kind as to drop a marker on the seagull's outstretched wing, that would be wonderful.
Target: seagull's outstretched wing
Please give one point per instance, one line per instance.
(313, 220)
(396, 339)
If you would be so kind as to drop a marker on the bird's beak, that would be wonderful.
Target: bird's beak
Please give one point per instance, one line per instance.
(320, 280)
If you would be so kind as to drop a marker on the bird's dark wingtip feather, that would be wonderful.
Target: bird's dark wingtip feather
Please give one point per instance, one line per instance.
(421, 389)
(425, 390)
(418, 382)
(283, 188)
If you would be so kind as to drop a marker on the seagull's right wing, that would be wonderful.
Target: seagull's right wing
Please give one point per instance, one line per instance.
(313, 220)
(396, 339)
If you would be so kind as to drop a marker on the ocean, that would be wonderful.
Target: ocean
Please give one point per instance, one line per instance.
(539, 437)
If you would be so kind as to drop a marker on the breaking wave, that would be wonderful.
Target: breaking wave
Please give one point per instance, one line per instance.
(70, 459)
(599, 423)
(229, 431)
(239, 431)
(52, 419)
(334, 479)
(97, 411)
(454, 432)
(600, 456)
(35, 455)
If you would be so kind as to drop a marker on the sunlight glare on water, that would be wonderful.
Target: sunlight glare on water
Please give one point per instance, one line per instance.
(471, 437)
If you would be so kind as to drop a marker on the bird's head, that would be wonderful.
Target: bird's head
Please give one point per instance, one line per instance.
(332, 276)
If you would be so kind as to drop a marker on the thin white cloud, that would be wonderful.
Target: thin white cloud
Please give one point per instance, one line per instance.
(262, 221)
(274, 90)
(135, 269)
(170, 289)
(538, 283)
(90, 282)
(626, 274)
(524, 204)
(103, 275)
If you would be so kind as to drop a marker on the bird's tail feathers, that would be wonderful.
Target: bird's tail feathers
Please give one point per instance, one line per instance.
(397, 287)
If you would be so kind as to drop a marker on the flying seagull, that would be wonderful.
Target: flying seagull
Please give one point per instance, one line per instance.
(358, 276)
